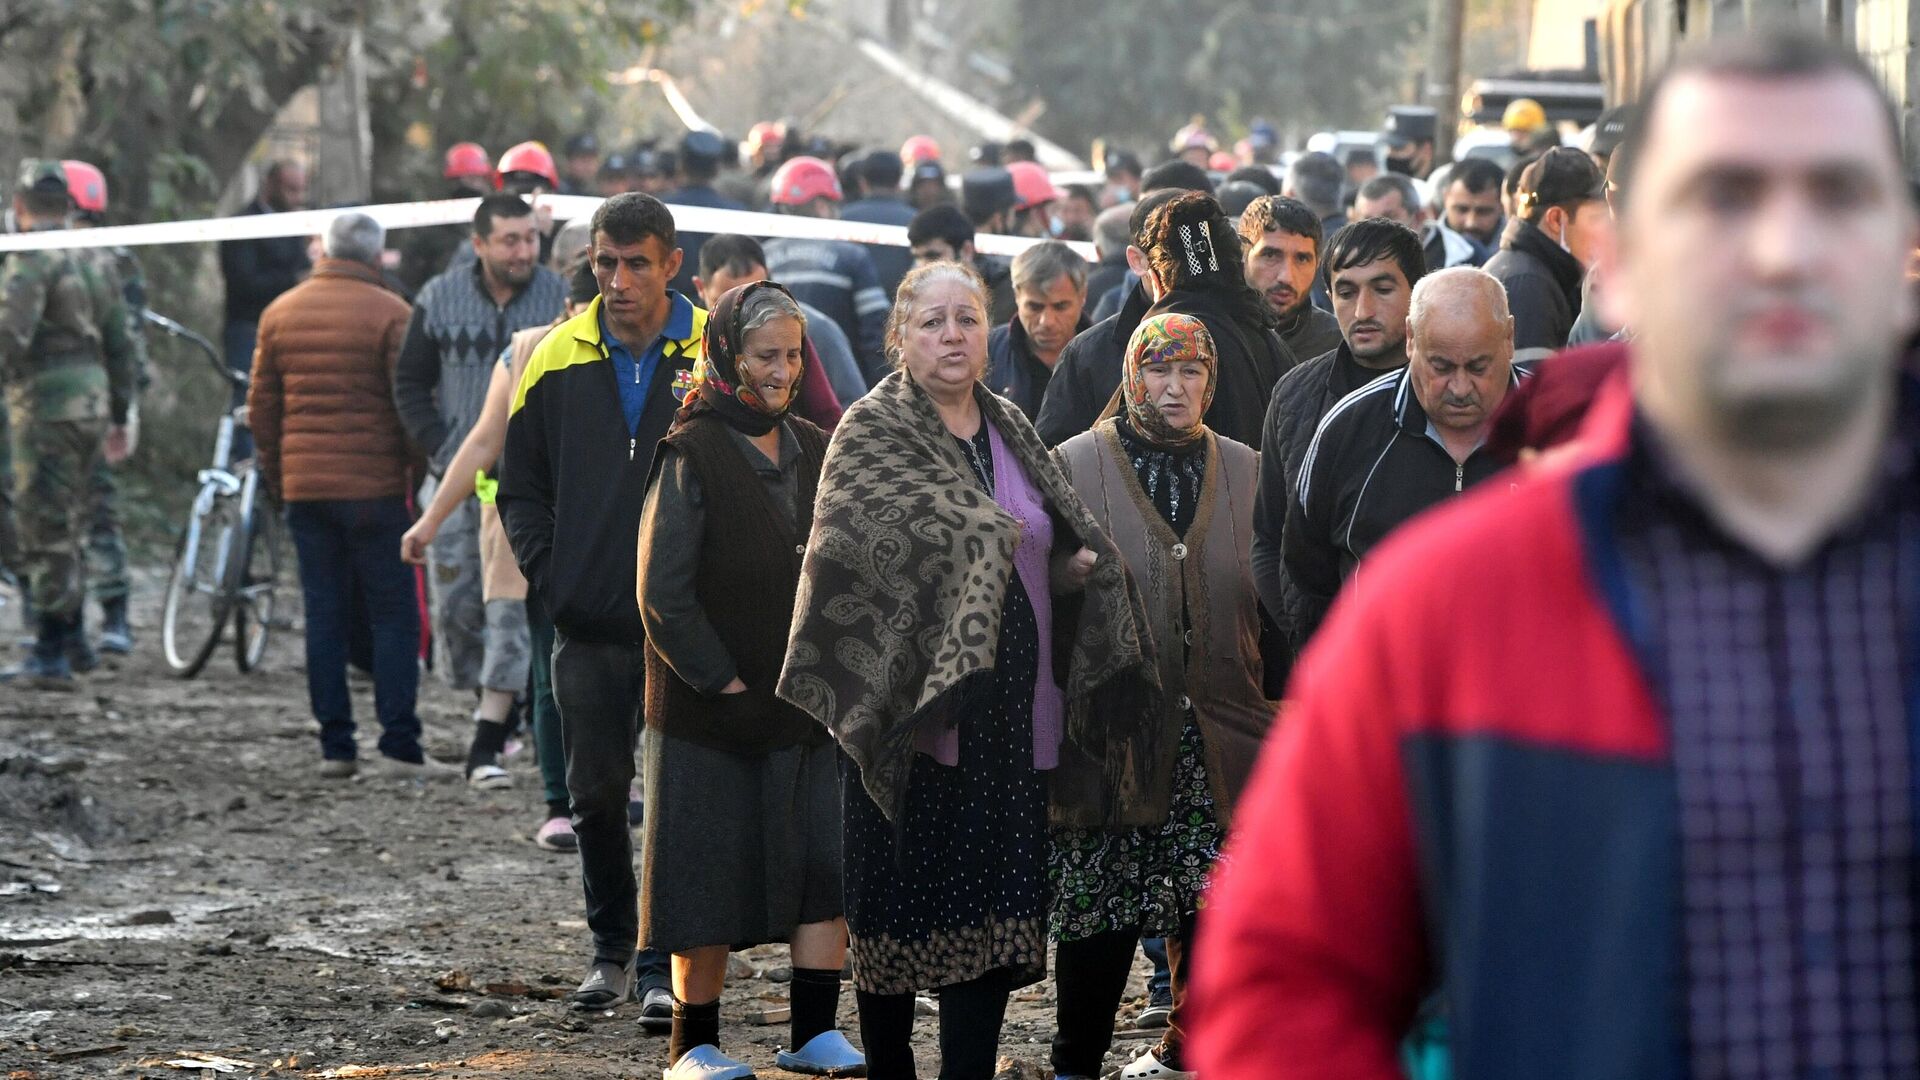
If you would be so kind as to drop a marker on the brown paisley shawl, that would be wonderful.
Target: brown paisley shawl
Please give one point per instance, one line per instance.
(902, 587)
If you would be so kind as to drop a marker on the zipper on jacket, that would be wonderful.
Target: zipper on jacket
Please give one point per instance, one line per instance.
(1459, 476)
(633, 447)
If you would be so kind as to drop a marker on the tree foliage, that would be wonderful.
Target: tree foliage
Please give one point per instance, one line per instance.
(170, 96)
(1135, 70)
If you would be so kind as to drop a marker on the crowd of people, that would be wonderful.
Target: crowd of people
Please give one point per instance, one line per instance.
(937, 609)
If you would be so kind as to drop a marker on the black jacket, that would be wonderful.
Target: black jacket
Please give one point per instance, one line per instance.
(1370, 466)
(1103, 276)
(1300, 399)
(890, 261)
(701, 195)
(1014, 372)
(573, 478)
(1543, 288)
(258, 271)
(1252, 358)
(1313, 333)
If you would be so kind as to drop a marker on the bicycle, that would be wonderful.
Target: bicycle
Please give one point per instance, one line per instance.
(227, 568)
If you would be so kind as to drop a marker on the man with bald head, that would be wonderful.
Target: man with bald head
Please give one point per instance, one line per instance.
(1403, 442)
(1616, 756)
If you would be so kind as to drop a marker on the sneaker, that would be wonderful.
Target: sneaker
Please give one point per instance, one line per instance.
(607, 985)
(1148, 1066)
(338, 768)
(706, 1062)
(656, 1012)
(424, 769)
(486, 774)
(1155, 1016)
(826, 1054)
(556, 834)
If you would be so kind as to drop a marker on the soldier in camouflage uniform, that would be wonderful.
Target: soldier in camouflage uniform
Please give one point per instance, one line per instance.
(67, 367)
(106, 546)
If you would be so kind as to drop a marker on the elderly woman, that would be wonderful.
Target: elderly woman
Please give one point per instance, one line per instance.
(925, 639)
(1178, 501)
(742, 833)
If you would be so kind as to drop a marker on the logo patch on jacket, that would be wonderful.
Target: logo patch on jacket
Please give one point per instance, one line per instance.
(682, 384)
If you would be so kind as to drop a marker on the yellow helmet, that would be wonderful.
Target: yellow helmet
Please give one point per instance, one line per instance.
(1524, 114)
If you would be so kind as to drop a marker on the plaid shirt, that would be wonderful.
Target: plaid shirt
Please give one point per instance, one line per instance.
(1787, 690)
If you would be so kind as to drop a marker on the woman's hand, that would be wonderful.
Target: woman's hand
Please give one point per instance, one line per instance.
(734, 687)
(413, 543)
(1071, 574)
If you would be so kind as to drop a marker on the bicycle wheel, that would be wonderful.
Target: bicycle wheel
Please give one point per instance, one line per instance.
(258, 579)
(198, 603)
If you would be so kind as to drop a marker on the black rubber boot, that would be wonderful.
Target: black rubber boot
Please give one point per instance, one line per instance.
(46, 667)
(116, 636)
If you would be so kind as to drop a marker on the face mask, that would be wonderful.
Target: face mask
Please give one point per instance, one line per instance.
(1401, 165)
(1054, 225)
(1118, 194)
(13, 224)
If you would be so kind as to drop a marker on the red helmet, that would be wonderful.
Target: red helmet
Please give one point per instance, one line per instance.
(467, 159)
(804, 179)
(765, 135)
(533, 157)
(1031, 185)
(87, 186)
(918, 149)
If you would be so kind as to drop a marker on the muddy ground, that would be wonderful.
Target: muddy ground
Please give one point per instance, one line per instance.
(176, 884)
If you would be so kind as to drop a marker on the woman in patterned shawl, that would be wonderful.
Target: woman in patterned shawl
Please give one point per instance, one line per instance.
(1178, 501)
(960, 617)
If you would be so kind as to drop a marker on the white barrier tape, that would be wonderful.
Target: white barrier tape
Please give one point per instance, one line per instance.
(692, 219)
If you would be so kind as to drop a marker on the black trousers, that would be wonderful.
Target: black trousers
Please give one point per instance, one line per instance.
(971, 1014)
(598, 689)
(1090, 975)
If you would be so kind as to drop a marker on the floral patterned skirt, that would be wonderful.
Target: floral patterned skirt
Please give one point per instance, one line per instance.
(1145, 878)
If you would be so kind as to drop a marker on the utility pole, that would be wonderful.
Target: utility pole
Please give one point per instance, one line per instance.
(1444, 22)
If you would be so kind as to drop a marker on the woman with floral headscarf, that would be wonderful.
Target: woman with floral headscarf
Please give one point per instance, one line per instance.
(742, 837)
(1178, 501)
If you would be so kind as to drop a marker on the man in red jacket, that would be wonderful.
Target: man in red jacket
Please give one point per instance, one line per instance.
(1639, 800)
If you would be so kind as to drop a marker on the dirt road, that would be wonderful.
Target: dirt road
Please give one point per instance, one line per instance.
(177, 884)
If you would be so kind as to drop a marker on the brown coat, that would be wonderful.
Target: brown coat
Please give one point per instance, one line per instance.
(321, 402)
(1208, 574)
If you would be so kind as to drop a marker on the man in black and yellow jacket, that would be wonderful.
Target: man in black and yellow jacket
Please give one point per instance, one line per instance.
(595, 400)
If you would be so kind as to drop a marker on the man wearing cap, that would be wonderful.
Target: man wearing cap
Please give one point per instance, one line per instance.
(1527, 127)
(1409, 133)
(1559, 224)
(583, 164)
(701, 155)
(68, 370)
(1608, 133)
(1123, 170)
(881, 203)
(927, 186)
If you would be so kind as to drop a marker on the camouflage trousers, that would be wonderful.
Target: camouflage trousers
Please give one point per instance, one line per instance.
(106, 550)
(476, 644)
(106, 545)
(53, 461)
(9, 535)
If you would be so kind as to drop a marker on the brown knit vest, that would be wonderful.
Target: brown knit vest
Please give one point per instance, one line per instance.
(748, 575)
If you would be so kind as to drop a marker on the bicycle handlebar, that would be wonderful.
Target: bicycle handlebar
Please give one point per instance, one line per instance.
(174, 329)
